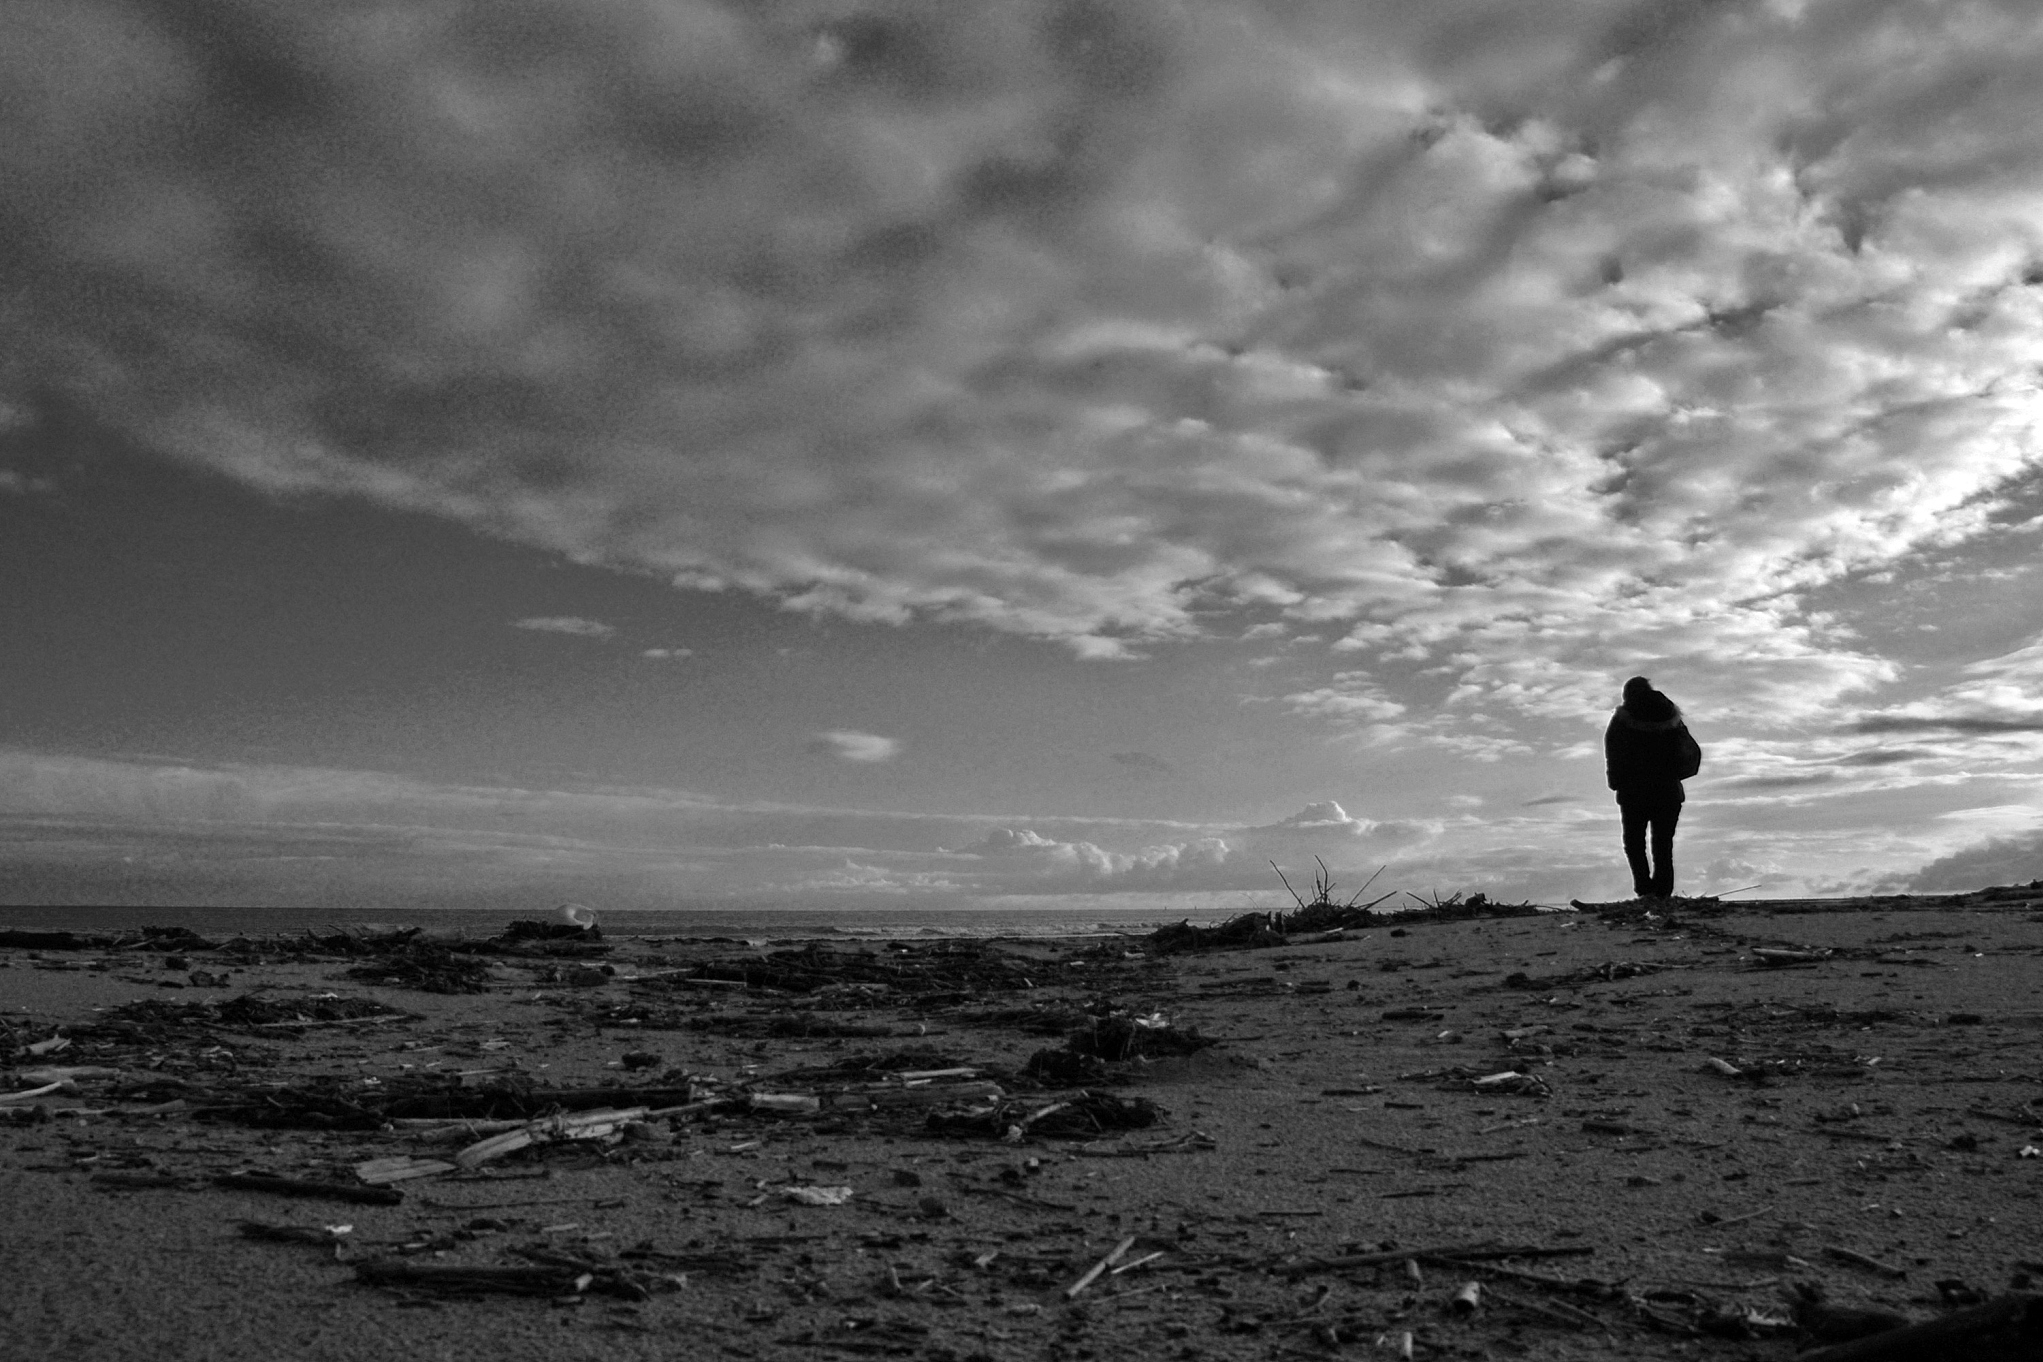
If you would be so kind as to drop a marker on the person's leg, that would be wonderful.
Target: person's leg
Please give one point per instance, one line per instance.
(1635, 819)
(1664, 819)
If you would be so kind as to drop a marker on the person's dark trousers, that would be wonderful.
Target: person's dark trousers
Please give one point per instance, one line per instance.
(1656, 817)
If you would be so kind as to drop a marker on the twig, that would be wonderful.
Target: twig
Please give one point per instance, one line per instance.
(1366, 883)
(1587, 1286)
(1739, 1219)
(1092, 1274)
(1458, 1253)
(1556, 1309)
(1287, 885)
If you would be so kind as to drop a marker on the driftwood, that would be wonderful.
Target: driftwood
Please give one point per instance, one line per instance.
(2009, 1329)
(585, 1125)
(400, 1168)
(1778, 956)
(29, 1095)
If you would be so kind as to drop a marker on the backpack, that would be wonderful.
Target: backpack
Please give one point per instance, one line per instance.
(1688, 754)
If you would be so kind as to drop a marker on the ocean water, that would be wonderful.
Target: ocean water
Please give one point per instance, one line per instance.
(751, 925)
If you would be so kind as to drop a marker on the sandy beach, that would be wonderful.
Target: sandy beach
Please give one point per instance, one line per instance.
(1610, 1133)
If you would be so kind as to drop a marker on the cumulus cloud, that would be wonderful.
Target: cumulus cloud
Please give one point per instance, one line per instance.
(566, 624)
(1546, 340)
(847, 744)
(1998, 860)
(1086, 863)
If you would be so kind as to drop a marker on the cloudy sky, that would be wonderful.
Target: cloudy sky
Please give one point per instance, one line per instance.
(1036, 452)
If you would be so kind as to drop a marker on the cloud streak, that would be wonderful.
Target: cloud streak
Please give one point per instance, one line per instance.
(1523, 346)
(850, 745)
(566, 624)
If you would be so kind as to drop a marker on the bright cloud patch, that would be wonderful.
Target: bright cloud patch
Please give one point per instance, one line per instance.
(1517, 341)
(566, 624)
(850, 745)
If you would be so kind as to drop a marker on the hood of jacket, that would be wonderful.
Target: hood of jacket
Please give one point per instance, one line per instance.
(1627, 719)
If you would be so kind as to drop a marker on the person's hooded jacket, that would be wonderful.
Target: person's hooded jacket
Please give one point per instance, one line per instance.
(1648, 750)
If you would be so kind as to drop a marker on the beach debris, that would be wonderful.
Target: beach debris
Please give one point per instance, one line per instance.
(427, 965)
(401, 1168)
(1066, 1069)
(1082, 1115)
(1108, 1036)
(601, 1124)
(1777, 957)
(305, 1187)
(1466, 1300)
(1092, 1274)
(59, 1073)
(940, 973)
(819, 1196)
(1513, 1082)
(1124, 1036)
(1248, 931)
(1462, 1255)
(31, 1095)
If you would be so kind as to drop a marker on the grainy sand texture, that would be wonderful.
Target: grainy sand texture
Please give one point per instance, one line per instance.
(1684, 1130)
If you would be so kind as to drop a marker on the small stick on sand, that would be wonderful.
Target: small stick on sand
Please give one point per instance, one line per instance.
(1092, 1274)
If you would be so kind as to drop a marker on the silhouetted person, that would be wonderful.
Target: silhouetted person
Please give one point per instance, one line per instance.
(1647, 753)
